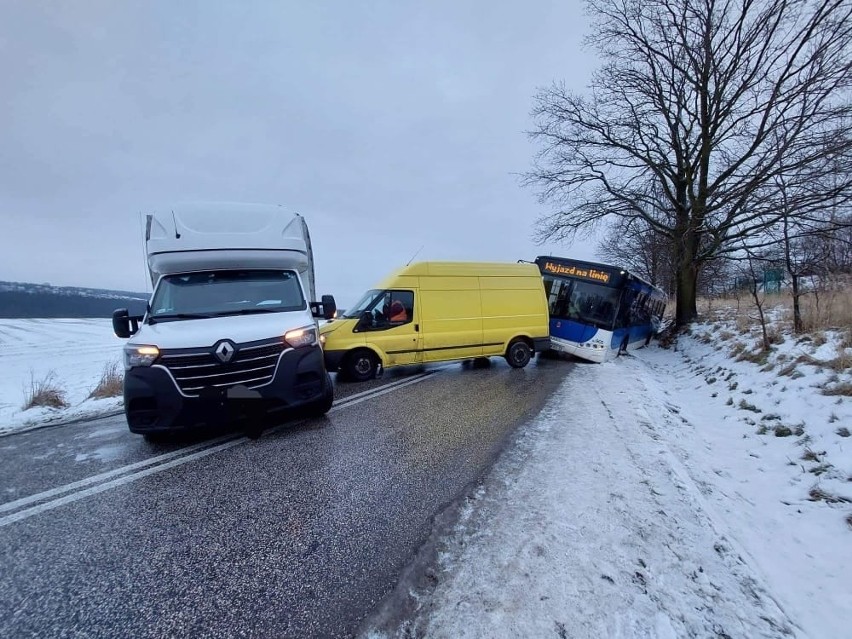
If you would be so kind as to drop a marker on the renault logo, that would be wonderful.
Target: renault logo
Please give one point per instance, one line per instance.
(225, 351)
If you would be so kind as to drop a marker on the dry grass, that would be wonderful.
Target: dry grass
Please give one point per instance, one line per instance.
(44, 392)
(840, 364)
(829, 309)
(843, 431)
(737, 349)
(821, 469)
(743, 322)
(111, 383)
(813, 456)
(788, 370)
(758, 356)
(818, 494)
(834, 309)
(849, 521)
(744, 405)
(844, 390)
(774, 335)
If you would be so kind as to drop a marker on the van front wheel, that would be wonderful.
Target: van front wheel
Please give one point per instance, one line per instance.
(518, 354)
(361, 366)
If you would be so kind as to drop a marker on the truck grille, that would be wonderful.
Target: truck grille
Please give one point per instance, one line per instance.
(194, 369)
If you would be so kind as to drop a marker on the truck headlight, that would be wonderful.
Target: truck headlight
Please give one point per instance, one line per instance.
(139, 355)
(299, 337)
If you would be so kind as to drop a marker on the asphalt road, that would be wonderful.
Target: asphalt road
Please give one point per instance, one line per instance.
(297, 534)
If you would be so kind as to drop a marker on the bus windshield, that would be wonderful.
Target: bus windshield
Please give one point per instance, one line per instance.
(581, 301)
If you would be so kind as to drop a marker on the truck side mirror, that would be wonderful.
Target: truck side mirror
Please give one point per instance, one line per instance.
(329, 307)
(121, 323)
(325, 309)
(124, 324)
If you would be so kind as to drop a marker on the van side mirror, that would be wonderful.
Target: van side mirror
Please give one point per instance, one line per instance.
(365, 322)
(123, 324)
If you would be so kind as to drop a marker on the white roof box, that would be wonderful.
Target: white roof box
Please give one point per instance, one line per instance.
(202, 237)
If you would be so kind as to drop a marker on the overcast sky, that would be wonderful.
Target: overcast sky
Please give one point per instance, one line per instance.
(389, 125)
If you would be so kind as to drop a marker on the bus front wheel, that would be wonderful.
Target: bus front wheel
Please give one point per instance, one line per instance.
(518, 354)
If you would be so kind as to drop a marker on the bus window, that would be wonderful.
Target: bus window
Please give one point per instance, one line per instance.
(558, 292)
(623, 318)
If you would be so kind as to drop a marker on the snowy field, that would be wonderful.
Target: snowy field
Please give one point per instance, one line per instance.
(672, 493)
(73, 351)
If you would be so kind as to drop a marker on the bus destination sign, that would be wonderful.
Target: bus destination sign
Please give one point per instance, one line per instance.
(593, 274)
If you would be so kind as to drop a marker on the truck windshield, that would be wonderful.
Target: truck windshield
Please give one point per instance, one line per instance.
(363, 304)
(220, 293)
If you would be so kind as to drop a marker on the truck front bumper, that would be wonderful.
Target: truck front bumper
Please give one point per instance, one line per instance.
(153, 403)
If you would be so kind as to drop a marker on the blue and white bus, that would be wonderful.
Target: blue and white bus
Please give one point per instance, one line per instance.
(597, 310)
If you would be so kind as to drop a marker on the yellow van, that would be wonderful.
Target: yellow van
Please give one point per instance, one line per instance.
(441, 311)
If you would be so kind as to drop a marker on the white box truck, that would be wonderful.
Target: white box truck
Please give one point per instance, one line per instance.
(230, 330)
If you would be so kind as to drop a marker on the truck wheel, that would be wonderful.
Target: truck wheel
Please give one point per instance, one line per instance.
(323, 405)
(518, 354)
(361, 366)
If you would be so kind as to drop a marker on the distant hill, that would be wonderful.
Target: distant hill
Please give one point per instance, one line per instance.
(24, 300)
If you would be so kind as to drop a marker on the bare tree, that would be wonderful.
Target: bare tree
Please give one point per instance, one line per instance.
(697, 100)
(750, 265)
(839, 250)
(809, 200)
(632, 244)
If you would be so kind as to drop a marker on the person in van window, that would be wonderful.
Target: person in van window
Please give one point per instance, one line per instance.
(398, 314)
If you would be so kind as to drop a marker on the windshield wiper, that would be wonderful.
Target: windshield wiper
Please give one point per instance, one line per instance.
(181, 316)
(247, 311)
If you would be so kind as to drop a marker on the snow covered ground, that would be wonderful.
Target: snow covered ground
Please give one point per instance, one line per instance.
(73, 351)
(673, 493)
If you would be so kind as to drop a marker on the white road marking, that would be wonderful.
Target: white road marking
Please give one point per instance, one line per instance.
(162, 462)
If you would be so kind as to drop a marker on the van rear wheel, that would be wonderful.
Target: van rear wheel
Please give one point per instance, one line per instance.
(361, 366)
(518, 354)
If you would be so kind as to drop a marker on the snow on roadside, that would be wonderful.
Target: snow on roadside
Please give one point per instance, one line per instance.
(643, 503)
(771, 454)
(74, 350)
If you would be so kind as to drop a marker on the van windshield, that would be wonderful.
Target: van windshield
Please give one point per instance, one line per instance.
(364, 303)
(219, 293)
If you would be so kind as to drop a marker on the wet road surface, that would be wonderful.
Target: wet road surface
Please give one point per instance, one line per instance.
(297, 534)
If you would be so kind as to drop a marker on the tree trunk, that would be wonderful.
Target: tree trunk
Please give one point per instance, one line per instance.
(759, 304)
(686, 293)
(687, 279)
(797, 311)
